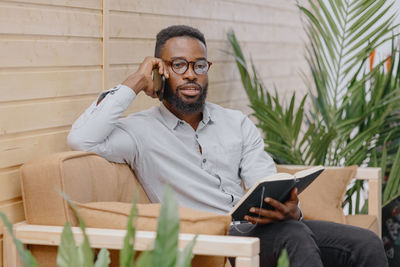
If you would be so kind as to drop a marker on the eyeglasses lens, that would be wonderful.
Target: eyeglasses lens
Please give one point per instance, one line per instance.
(180, 66)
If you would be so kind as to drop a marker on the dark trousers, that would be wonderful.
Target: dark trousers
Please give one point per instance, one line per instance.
(316, 243)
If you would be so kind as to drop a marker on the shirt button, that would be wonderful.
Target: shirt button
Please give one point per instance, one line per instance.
(196, 136)
(204, 160)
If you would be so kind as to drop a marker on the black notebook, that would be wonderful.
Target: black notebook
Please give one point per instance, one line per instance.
(277, 186)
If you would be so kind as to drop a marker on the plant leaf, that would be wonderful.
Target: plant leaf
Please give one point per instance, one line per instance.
(283, 260)
(127, 253)
(67, 255)
(145, 259)
(185, 257)
(166, 244)
(391, 190)
(26, 255)
(103, 258)
(85, 255)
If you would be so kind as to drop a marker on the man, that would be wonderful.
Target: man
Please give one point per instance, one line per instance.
(205, 152)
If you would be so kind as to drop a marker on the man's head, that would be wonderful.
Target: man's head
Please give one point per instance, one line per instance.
(185, 91)
(176, 31)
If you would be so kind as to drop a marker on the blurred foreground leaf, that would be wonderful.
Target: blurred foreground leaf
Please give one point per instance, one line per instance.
(26, 255)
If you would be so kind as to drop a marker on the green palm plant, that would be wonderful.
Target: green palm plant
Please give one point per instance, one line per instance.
(354, 103)
(354, 111)
(341, 42)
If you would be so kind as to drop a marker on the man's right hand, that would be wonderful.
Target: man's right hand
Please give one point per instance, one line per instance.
(283, 211)
(141, 80)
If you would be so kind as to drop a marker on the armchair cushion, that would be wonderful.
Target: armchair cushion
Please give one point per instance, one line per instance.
(322, 200)
(115, 215)
(83, 176)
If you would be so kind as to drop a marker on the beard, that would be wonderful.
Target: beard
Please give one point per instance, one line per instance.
(180, 104)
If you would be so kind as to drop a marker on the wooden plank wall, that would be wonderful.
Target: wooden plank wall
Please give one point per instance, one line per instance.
(57, 55)
(50, 70)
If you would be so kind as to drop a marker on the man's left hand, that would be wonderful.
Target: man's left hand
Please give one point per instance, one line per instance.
(282, 212)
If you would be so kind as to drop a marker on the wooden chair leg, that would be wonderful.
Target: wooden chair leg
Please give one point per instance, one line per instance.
(248, 261)
(10, 253)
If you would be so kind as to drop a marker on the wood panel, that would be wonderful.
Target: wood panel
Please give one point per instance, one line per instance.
(10, 186)
(37, 52)
(278, 4)
(241, 104)
(92, 4)
(225, 91)
(106, 42)
(14, 212)
(49, 83)
(222, 92)
(118, 74)
(18, 150)
(212, 10)
(1, 250)
(266, 68)
(50, 50)
(133, 51)
(129, 25)
(280, 51)
(20, 19)
(41, 114)
(283, 4)
(142, 102)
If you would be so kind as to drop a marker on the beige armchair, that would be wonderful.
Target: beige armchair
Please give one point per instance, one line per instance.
(86, 177)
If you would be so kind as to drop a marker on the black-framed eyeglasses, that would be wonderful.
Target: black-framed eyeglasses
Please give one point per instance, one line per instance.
(180, 65)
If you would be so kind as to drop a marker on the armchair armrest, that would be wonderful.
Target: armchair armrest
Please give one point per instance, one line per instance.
(373, 176)
(245, 249)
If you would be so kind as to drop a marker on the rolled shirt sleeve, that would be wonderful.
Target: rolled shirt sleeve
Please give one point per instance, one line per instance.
(96, 130)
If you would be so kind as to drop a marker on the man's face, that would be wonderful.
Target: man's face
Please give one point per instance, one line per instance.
(185, 92)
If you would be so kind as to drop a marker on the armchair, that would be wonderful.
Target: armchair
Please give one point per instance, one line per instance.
(86, 177)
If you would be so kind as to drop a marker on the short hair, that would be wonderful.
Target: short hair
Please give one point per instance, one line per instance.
(175, 31)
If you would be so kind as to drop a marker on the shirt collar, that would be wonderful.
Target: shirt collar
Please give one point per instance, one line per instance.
(207, 115)
(172, 121)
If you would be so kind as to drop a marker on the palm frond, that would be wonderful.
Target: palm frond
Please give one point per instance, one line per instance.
(344, 35)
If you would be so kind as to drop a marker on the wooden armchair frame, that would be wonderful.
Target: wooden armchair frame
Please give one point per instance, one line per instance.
(373, 176)
(245, 249)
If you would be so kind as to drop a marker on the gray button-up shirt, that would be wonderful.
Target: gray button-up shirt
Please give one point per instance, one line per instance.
(161, 148)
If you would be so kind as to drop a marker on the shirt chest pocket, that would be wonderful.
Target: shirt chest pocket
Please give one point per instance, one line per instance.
(226, 159)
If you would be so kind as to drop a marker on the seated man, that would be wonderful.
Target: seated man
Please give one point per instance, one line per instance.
(205, 152)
